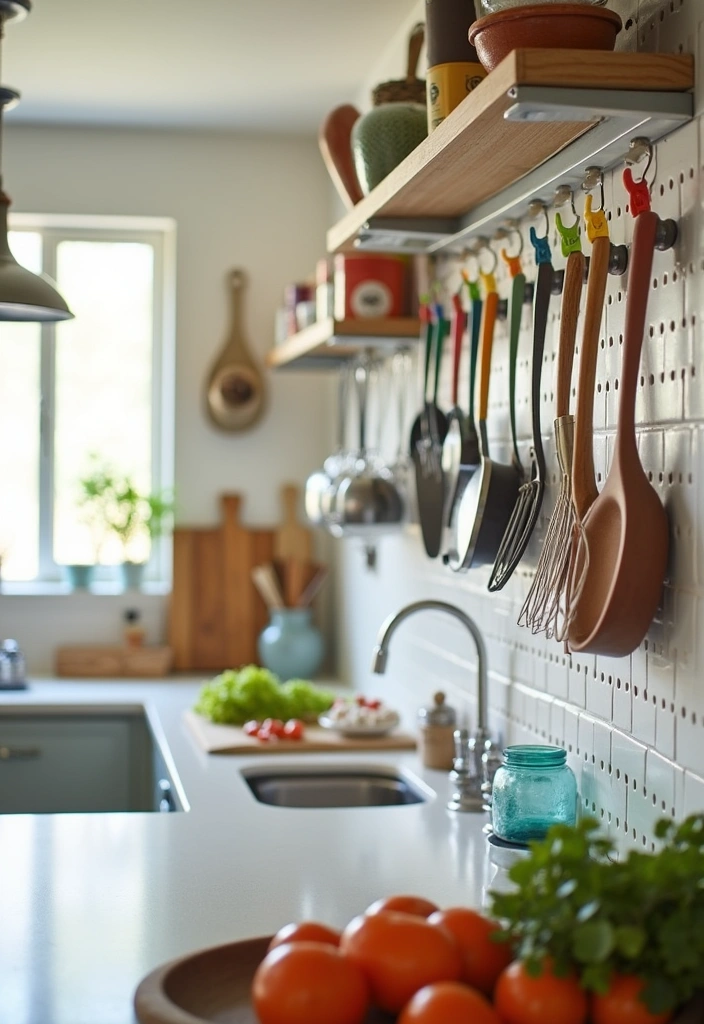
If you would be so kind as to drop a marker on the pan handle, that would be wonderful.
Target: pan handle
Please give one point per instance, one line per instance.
(429, 340)
(474, 351)
(640, 270)
(584, 489)
(569, 315)
(518, 292)
(489, 312)
(459, 323)
(543, 292)
(441, 328)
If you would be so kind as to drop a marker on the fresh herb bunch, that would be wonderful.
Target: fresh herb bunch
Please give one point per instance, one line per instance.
(594, 915)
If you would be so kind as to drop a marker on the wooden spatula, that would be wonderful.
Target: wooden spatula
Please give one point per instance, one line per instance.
(291, 539)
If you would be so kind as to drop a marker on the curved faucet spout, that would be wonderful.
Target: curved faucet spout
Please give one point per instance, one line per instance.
(381, 650)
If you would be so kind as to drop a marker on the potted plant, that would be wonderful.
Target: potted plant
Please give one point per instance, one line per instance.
(113, 504)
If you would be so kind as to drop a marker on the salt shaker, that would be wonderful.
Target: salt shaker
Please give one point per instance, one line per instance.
(437, 726)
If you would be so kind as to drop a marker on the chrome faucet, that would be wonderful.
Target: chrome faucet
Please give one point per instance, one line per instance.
(475, 764)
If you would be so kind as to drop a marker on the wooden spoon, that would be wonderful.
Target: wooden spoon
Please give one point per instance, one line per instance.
(626, 528)
(235, 390)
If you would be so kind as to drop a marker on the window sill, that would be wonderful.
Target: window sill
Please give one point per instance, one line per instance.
(108, 588)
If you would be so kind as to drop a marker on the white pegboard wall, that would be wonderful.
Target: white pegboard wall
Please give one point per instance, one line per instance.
(633, 727)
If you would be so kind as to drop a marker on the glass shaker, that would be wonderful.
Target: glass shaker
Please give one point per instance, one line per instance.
(437, 727)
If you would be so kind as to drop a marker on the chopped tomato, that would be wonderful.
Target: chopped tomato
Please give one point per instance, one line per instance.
(251, 728)
(266, 735)
(274, 725)
(293, 730)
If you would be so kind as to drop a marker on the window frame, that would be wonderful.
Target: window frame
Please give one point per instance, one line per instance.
(160, 234)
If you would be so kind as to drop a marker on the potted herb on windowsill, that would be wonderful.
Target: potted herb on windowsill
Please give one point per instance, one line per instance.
(114, 505)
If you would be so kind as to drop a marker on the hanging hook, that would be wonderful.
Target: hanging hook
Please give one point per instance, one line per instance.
(593, 179)
(484, 246)
(564, 195)
(512, 230)
(536, 208)
(636, 150)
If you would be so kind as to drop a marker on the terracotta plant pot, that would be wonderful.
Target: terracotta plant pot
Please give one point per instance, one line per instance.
(557, 26)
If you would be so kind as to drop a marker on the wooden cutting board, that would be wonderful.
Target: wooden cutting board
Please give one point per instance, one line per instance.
(216, 613)
(230, 739)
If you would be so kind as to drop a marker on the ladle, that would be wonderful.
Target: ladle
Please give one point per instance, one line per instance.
(626, 528)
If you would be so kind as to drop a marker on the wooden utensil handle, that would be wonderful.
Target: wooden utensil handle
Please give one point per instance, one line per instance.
(639, 276)
(491, 306)
(571, 297)
(584, 489)
(289, 502)
(458, 327)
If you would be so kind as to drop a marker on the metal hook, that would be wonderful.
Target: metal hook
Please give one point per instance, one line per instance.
(484, 246)
(467, 255)
(564, 195)
(511, 229)
(538, 207)
(637, 148)
(594, 178)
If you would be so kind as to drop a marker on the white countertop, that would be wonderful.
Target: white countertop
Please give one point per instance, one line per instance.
(91, 903)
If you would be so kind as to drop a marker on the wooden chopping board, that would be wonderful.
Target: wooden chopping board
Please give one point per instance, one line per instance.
(216, 613)
(230, 739)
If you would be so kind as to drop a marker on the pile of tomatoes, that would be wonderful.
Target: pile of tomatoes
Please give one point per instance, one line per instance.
(423, 965)
(275, 729)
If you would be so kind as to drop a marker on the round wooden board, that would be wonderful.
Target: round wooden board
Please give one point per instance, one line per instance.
(209, 987)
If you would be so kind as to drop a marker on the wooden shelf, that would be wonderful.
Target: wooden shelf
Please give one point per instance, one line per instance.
(515, 121)
(329, 342)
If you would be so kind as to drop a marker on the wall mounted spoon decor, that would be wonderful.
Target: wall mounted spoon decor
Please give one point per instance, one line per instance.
(235, 394)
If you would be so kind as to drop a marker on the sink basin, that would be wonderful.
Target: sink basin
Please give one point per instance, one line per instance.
(318, 786)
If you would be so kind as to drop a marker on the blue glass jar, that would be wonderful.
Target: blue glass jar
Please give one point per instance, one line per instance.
(533, 789)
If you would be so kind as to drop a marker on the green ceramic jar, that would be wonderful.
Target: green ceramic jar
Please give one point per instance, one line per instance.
(383, 137)
(397, 123)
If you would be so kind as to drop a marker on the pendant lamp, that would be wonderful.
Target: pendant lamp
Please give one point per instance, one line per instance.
(24, 296)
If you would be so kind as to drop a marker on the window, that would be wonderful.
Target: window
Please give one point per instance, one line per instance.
(100, 384)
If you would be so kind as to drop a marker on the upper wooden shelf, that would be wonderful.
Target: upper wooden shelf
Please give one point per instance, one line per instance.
(329, 342)
(493, 139)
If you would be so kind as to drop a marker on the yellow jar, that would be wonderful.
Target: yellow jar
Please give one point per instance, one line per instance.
(447, 86)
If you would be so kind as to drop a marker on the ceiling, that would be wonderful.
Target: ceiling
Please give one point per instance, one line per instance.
(264, 65)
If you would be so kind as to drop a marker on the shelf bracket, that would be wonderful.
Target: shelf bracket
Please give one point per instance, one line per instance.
(611, 118)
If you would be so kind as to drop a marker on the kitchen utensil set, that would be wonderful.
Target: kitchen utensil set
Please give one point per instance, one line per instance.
(601, 568)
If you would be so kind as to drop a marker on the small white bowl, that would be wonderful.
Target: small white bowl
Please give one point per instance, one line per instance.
(349, 729)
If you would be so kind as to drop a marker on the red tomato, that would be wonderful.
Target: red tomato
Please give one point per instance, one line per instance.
(521, 999)
(400, 954)
(361, 701)
(448, 1002)
(373, 704)
(306, 931)
(483, 959)
(266, 735)
(309, 983)
(251, 728)
(274, 725)
(622, 1004)
(416, 905)
(293, 730)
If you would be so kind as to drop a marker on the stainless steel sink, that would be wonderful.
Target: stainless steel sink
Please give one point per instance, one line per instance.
(333, 787)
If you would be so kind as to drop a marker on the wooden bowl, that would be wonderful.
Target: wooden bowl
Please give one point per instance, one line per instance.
(554, 26)
(211, 986)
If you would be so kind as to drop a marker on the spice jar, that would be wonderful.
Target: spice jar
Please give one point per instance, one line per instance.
(533, 789)
(437, 727)
(454, 69)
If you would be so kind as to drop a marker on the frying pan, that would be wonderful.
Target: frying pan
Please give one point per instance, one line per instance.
(626, 529)
(530, 496)
(461, 446)
(427, 437)
(486, 496)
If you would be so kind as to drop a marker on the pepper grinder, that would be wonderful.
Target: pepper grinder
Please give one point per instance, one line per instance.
(437, 727)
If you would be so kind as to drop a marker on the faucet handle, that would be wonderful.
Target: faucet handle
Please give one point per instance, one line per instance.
(467, 795)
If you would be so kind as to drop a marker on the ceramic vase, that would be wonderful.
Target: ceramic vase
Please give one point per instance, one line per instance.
(291, 646)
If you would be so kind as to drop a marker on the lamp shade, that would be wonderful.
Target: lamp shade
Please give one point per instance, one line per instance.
(25, 296)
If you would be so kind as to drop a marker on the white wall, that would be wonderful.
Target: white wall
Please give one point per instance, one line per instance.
(239, 200)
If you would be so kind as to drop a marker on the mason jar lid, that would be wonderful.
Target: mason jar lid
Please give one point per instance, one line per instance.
(439, 713)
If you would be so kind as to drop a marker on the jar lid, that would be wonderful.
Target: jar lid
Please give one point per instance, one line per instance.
(439, 713)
